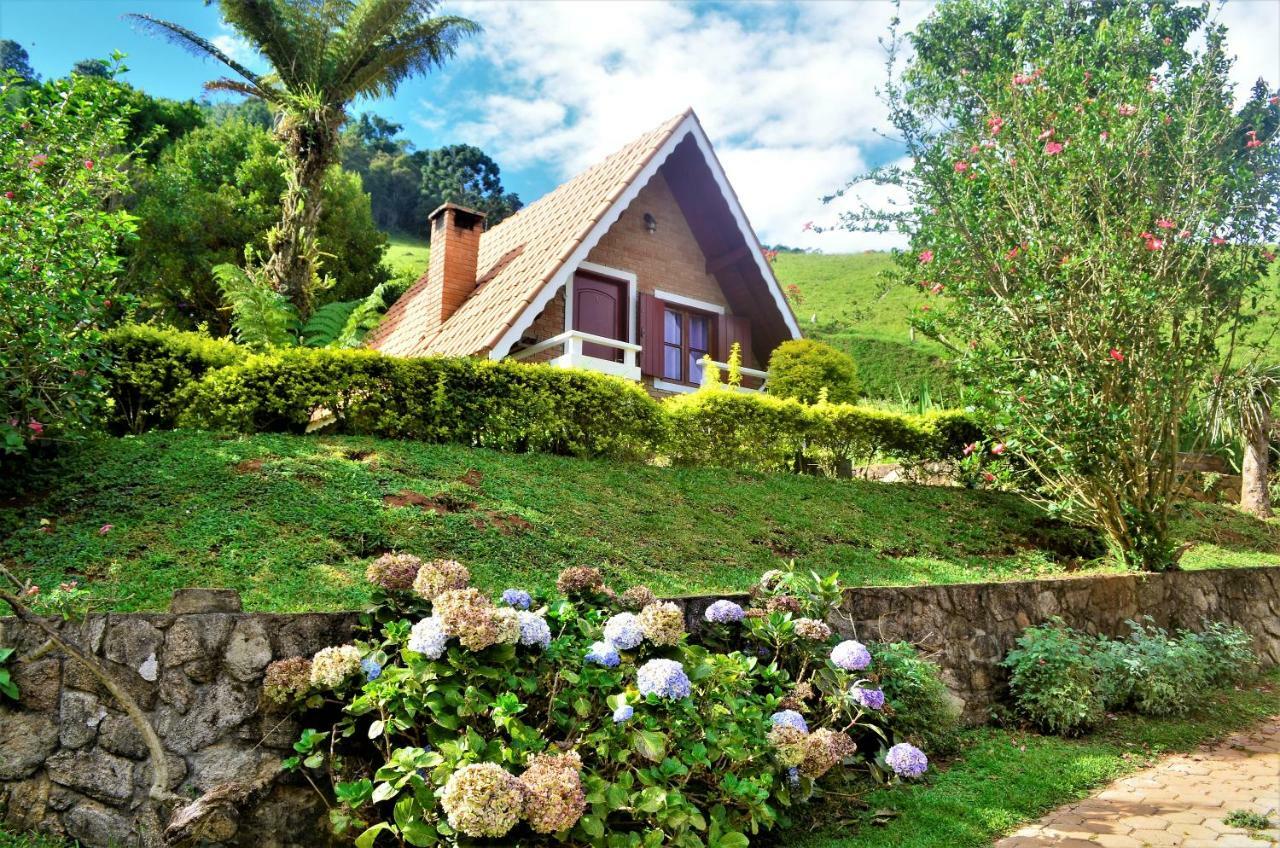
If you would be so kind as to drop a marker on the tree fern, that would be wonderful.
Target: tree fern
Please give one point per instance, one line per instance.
(260, 316)
(346, 323)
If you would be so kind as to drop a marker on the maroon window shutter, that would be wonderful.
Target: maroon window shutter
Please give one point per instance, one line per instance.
(650, 335)
(734, 328)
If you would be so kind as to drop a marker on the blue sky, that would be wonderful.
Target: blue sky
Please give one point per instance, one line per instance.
(786, 90)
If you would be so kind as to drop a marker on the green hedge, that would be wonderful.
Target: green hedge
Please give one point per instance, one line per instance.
(759, 431)
(150, 368)
(501, 405)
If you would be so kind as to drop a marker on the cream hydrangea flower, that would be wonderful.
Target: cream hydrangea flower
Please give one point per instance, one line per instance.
(788, 743)
(482, 800)
(331, 667)
(553, 796)
(507, 622)
(468, 615)
(438, 576)
(662, 623)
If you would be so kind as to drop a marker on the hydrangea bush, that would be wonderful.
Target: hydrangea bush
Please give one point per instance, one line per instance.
(590, 718)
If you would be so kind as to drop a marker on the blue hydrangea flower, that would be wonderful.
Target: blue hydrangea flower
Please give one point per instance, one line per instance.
(624, 631)
(623, 713)
(517, 598)
(724, 612)
(534, 631)
(664, 678)
(603, 653)
(907, 760)
(428, 638)
(793, 776)
(872, 699)
(371, 669)
(851, 655)
(789, 718)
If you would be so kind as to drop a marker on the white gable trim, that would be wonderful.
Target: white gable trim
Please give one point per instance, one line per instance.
(579, 255)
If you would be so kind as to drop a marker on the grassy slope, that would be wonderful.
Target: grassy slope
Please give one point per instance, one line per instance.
(1005, 778)
(292, 521)
(847, 303)
(406, 254)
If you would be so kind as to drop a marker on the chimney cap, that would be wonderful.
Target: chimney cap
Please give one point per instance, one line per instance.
(465, 216)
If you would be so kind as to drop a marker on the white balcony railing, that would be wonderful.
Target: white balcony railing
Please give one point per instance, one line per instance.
(746, 372)
(574, 357)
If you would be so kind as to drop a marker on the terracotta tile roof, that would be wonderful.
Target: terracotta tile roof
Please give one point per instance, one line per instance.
(519, 256)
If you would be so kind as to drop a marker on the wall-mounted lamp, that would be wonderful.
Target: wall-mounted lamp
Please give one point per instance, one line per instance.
(650, 222)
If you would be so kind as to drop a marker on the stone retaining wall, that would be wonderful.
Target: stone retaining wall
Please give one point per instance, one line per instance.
(71, 763)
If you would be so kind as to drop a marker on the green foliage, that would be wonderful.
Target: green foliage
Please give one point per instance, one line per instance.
(345, 323)
(14, 57)
(1085, 329)
(7, 687)
(1063, 680)
(62, 157)
(921, 705)
(1247, 820)
(899, 371)
(262, 318)
(802, 368)
(503, 405)
(464, 175)
(215, 193)
(766, 432)
(695, 769)
(151, 366)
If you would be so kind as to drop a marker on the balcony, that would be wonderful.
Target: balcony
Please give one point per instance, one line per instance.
(574, 357)
(752, 375)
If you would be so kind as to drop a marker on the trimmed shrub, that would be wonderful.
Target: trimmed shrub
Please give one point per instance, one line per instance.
(922, 709)
(803, 368)
(1055, 682)
(151, 366)
(769, 433)
(502, 405)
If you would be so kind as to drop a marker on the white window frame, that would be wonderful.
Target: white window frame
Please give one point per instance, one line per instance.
(691, 302)
(617, 275)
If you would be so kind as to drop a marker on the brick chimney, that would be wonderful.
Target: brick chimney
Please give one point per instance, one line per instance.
(451, 268)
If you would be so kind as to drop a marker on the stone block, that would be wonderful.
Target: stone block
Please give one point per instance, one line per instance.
(248, 651)
(196, 600)
(215, 711)
(95, 773)
(25, 803)
(79, 716)
(119, 735)
(26, 741)
(39, 682)
(96, 825)
(132, 641)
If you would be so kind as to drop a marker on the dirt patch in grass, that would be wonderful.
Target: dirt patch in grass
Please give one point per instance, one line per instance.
(472, 478)
(504, 524)
(248, 466)
(441, 504)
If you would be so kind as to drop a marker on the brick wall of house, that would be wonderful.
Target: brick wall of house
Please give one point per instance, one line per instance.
(550, 322)
(669, 259)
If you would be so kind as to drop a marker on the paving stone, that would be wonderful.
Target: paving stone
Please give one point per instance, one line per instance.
(1178, 803)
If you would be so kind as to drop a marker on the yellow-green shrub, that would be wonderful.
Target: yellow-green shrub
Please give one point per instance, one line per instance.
(502, 405)
(151, 366)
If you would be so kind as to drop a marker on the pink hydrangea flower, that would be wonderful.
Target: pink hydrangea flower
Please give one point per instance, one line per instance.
(926, 256)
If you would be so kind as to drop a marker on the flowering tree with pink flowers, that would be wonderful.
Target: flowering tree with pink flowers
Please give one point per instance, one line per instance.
(61, 223)
(1090, 214)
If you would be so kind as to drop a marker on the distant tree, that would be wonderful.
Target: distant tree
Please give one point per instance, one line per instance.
(91, 68)
(378, 134)
(323, 56)
(251, 111)
(13, 57)
(214, 193)
(464, 175)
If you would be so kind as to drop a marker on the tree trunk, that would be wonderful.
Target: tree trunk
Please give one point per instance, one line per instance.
(310, 148)
(1255, 498)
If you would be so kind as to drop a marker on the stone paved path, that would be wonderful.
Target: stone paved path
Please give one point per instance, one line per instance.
(1179, 803)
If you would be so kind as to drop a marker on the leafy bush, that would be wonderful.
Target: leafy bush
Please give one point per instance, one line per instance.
(590, 718)
(1062, 680)
(769, 433)
(809, 371)
(149, 369)
(502, 405)
(919, 702)
(61, 153)
(899, 372)
(1054, 679)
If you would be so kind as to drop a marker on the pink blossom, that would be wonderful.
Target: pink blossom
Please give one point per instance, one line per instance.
(1165, 223)
(970, 448)
(926, 256)
(1052, 148)
(1127, 110)
(1154, 243)
(1253, 139)
(1184, 233)
(1103, 136)
(936, 288)
(1046, 134)
(994, 124)
(808, 225)
(39, 160)
(961, 167)
(998, 449)
(1117, 355)
(973, 148)
(1013, 253)
(1274, 100)
(1217, 240)
(1269, 256)
(88, 164)
(105, 529)
(36, 427)
(988, 476)
(8, 195)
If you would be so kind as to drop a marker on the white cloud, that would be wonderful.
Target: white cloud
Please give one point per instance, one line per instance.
(786, 91)
(237, 48)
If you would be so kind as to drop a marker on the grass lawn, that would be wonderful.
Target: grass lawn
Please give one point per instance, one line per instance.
(292, 521)
(1006, 778)
(31, 840)
(406, 254)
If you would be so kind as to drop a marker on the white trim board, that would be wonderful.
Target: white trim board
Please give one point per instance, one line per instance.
(692, 302)
(617, 274)
(575, 260)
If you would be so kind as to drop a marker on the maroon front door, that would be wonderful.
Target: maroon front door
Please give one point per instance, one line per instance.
(600, 307)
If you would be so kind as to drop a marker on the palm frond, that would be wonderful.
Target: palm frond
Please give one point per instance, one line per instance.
(416, 50)
(188, 40)
(262, 318)
(238, 87)
(273, 28)
(370, 24)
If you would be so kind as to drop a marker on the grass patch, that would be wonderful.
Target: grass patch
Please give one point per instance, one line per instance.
(292, 521)
(1006, 778)
(406, 254)
(32, 840)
